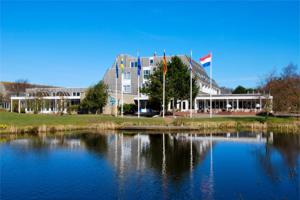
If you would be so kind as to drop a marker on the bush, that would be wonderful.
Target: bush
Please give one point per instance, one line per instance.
(73, 109)
(15, 106)
(129, 108)
(22, 110)
(95, 99)
(265, 114)
(262, 120)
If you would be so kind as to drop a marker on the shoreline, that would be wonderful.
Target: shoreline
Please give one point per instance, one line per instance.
(55, 129)
(12, 123)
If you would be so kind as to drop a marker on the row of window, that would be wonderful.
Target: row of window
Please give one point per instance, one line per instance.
(127, 75)
(76, 93)
(135, 63)
(127, 88)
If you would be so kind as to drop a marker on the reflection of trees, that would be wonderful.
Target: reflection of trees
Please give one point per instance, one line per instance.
(25, 145)
(264, 158)
(95, 142)
(178, 155)
(288, 146)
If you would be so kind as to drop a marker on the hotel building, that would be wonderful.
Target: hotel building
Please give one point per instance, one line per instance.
(220, 102)
(58, 99)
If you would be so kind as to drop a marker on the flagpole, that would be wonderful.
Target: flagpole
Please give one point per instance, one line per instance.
(164, 80)
(164, 95)
(191, 89)
(122, 89)
(116, 91)
(210, 96)
(138, 96)
(138, 89)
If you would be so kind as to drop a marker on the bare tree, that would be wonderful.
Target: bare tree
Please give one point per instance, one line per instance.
(285, 89)
(290, 71)
(20, 86)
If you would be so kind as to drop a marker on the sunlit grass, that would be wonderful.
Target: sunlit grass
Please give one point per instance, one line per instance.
(34, 120)
(20, 120)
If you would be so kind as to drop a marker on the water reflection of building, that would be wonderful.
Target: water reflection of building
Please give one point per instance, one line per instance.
(172, 154)
(44, 142)
(124, 151)
(173, 160)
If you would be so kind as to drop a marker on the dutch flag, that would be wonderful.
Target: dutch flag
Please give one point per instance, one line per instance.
(206, 60)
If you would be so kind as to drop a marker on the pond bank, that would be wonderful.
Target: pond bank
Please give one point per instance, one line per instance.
(26, 123)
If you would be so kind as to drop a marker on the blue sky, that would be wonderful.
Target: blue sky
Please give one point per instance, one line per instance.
(72, 43)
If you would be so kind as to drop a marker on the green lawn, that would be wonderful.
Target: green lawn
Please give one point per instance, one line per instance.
(20, 120)
(23, 120)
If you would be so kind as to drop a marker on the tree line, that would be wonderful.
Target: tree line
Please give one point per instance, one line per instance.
(285, 89)
(283, 86)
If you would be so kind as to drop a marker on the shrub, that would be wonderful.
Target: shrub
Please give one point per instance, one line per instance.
(129, 108)
(73, 109)
(22, 110)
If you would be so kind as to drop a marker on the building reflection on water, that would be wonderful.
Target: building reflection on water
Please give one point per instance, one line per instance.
(169, 154)
(173, 157)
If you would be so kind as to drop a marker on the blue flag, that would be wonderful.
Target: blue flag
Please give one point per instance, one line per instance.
(191, 65)
(139, 66)
(117, 70)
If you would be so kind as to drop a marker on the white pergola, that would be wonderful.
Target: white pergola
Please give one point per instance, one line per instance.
(56, 97)
(224, 102)
(233, 102)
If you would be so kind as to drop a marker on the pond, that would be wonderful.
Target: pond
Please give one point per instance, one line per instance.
(138, 165)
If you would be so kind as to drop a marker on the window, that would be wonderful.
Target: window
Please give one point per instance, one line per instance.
(133, 64)
(78, 94)
(151, 61)
(146, 74)
(127, 75)
(127, 88)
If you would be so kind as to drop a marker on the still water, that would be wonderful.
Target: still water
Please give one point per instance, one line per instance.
(150, 166)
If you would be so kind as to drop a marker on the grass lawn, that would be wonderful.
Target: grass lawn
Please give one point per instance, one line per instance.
(23, 120)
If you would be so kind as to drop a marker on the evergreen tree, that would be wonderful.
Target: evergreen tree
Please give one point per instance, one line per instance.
(95, 99)
(177, 84)
(239, 90)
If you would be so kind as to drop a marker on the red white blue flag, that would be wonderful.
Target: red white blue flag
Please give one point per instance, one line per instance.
(206, 60)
